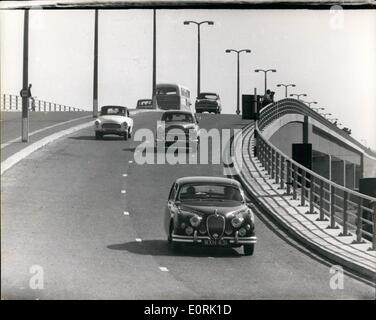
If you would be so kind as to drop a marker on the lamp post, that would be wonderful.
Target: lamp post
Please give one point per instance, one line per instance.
(317, 109)
(286, 86)
(95, 73)
(265, 75)
(198, 48)
(298, 95)
(325, 114)
(25, 80)
(309, 103)
(238, 53)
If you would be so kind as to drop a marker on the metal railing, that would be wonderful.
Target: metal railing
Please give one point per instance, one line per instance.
(12, 102)
(338, 205)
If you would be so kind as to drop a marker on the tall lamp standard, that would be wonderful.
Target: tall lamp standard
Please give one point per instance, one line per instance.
(198, 49)
(286, 86)
(317, 109)
(265, 75)
(309, 103)
(298, 95)
(238, 53)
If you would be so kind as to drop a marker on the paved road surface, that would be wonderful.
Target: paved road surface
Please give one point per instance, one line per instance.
(62, 209)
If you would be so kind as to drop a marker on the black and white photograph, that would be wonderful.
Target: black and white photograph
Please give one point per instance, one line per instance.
(188, 151)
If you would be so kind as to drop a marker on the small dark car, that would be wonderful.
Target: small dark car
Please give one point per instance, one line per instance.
(209, 102)
(145, 104)
(209, 211)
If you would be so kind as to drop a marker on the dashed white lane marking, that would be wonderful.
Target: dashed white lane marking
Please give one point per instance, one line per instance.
(23, 153)
(138, 240)
(163, 269)
(123, 191)
(126, 213)
(125, 175)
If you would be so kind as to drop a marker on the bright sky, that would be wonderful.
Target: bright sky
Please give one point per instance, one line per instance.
(330, 56)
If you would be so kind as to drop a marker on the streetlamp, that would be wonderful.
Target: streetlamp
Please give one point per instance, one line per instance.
(198, 48)
(298, 95)
(265, 75)
(286, 86)
(325, 114)
(309, 103)
(238, 53)
(317, 109)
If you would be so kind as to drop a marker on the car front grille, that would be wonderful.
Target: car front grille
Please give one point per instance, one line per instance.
(215, 225)
(111, 126)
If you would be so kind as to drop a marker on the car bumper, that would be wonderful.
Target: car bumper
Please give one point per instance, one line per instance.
(207, 107)
(111, 131)
(203, 239)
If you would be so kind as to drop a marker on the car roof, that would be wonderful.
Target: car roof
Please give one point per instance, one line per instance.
(111, 106)
(207, 179)
(213, 93)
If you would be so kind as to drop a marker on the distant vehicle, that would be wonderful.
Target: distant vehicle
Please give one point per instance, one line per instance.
(180, 127)
(113, 120)
(145, 104)
(173, 97)
(209, 102)
(209, 211)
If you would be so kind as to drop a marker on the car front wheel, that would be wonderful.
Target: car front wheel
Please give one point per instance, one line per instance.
(248, 249)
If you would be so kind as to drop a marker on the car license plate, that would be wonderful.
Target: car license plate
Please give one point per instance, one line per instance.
(212, 242)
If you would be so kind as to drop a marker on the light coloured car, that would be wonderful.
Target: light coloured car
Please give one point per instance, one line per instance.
(179, 128)
(114, 120)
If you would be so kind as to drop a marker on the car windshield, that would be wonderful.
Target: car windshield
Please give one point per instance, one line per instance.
(184, 117)
(210, 96)
(113, 111)
(166, 91)
(209, 192)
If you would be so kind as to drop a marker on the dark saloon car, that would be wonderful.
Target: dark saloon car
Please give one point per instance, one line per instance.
(209, 211)
(209, 102)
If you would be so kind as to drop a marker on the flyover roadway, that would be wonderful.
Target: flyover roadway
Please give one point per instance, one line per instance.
(63, 209)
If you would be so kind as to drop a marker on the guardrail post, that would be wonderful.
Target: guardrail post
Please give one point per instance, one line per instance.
(332, 209)
(16, 102)
(345, 216)
(294, 182)
(277, 165)
(311, 206)
(10, 102)
(282, 173)
(38, 105)
(359, 222)
(59, 107)
(4, 100)
(49, 106)
(321, 201)
(303, 189)
(288, 177)
(272, 162)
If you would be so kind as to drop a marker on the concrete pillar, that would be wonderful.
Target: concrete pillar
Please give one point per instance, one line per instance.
(350, 175)
(321, 165)
(337, 172)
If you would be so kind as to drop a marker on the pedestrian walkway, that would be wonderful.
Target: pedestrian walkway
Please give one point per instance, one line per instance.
(295, 219)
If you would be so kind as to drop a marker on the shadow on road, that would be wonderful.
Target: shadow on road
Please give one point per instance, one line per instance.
(111, 138)
(162, 248)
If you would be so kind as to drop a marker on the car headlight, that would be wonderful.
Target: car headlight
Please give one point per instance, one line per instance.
(188, 230)
(125, 125)
(237, 221)
(97, 123)
(195, 220)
